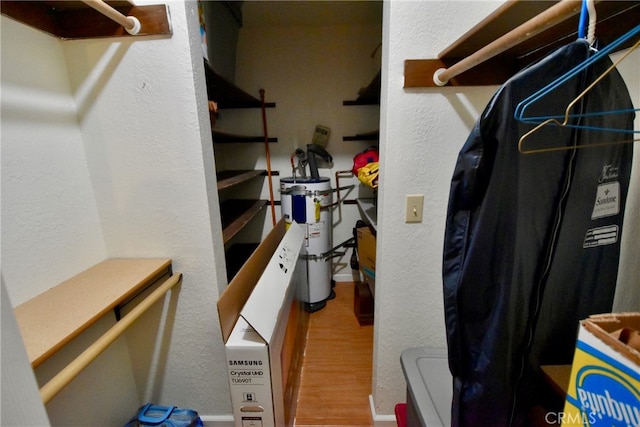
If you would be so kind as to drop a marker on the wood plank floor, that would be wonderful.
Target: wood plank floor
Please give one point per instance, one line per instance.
(336, 372)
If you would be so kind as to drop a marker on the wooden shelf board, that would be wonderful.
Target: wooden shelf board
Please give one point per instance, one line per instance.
(367, 136)
(615, 18)
(230, 178)
(361, 102)
(226, 94)
(506, 17)
(236, 214)
(71, 20)
(419, 72)
(558, 376)
(53, 318)
(368, 95)
(370, 211)
(222, 137)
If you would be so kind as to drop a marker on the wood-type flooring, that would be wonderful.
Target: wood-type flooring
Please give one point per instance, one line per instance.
(336, 372)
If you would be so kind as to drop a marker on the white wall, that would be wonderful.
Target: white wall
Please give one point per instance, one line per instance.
(20, 402)
(627, 297)
(422, 131)
(107, 152)
(50, 218)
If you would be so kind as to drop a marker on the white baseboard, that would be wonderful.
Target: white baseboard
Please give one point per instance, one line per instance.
(217, 420)
(380, 420)
(347, 277)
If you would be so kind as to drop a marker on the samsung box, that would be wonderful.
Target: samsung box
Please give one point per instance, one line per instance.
(604, 388)
(264, 328)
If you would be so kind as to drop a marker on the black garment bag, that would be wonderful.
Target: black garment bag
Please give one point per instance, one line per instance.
(524, 258)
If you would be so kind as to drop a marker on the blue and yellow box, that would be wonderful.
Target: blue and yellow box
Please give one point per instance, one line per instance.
(604, 388)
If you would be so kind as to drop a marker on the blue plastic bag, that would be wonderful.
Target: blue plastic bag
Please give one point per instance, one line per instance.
(164, 416)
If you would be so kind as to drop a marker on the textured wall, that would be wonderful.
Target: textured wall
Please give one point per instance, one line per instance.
(108, 154)
(50, 221)
(422, 132)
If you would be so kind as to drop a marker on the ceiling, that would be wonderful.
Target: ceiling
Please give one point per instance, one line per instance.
(260, 13)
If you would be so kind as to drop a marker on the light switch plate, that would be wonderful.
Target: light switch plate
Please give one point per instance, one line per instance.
(413, 211)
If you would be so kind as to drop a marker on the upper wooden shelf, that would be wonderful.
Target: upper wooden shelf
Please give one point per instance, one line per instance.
(70, 20)
(615, 18)
(374, 135)
(228, 95)
(53, 318)
(368, 95)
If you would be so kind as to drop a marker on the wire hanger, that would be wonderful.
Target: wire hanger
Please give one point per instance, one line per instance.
(521, 108)
(586, 30)
(567, 116)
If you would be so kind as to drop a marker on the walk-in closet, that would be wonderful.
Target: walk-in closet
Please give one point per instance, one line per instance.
(460, 176)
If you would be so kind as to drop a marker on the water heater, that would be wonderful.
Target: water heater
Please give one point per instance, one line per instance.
(306, 203)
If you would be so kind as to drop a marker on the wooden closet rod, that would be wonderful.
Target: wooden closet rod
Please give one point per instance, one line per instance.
(555, 14)
(130, 23)
(66, 375)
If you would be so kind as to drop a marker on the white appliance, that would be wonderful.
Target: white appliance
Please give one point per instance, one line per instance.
(307, 201)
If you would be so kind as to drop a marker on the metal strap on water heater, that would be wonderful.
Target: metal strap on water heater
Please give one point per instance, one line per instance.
(314, 193)
(331, 253)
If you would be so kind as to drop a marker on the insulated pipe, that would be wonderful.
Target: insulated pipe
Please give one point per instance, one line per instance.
(555, 14)
(66, 375)
(130, 23)
(338, 173)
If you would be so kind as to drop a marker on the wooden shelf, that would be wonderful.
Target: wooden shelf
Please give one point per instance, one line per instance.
(230, 178)
(367, 136)
(53, 318)
(370, 211)
(227, 94)
(369, 95)
(236, 214)
(615, 18)
(360, 102)
(221, 137)
(71, 20)
(558, 377)
(236, 256)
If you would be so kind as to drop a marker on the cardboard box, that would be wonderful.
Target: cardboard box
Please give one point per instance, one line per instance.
(604, 388)
(366, 251)
(264, 328)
